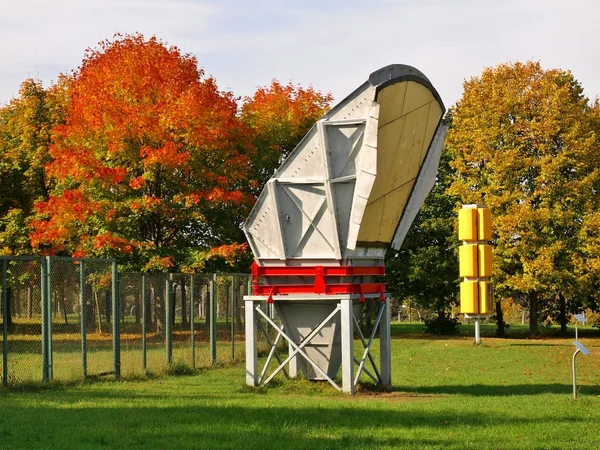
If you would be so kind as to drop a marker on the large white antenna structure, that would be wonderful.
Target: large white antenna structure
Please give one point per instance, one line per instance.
(321, 227)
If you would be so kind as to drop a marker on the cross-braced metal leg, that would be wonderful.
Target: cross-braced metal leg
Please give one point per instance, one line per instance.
(367, 350)
(298, 349)
(349, 324)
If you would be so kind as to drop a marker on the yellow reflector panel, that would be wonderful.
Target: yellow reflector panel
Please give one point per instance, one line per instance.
(485, 260)
(484, 224)
(469, 297)
(467, 224)
(467, 255)
(486, 303)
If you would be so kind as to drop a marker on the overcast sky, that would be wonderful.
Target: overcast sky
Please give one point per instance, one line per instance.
(331, 44)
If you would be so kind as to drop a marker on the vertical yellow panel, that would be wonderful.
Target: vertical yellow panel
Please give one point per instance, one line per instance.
(467, 255)
(486, 303)
(393, 205)
(371, 222)
(485, 260)
(484, 224)
(469, 297)
(467, 224)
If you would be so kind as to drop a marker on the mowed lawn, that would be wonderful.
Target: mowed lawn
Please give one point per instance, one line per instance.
(508, 393)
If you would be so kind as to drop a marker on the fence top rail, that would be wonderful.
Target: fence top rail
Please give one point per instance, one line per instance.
(55, 258)
(20, 258)
(67, 258)
(219, 274)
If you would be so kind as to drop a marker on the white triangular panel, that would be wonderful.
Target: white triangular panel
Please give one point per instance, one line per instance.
(261, 227)
(306, 162)
(343, 144)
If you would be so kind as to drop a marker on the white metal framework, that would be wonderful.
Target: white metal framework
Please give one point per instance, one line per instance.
(349, 325)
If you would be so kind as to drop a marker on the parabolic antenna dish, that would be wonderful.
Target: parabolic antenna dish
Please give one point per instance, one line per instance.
(354, 184)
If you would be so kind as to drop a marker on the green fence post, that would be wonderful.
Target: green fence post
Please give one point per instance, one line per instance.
(83, 315)
(46, 319)
(144, 325)
(232, 317)
(169, 318)
(4, 323)
(213, 319)
(192, 330)
(116, 321)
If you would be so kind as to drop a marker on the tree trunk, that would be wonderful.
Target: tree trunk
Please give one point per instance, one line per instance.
(137, 306)
(98, 313)
(8, 318)
(500, 332)
(533, 312)
(227, 305)
(563, 313)
(29, 306)
(148, 300)
(173, 303)
(90, 311)
(64, 307)
(238, 310)
(207, 309)
(107, 306)
(184, 321)
(158, 294)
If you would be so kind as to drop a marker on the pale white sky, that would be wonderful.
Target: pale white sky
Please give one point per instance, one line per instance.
(333, 45)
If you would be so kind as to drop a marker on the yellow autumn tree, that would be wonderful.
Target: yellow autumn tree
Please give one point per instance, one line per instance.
(524, 143)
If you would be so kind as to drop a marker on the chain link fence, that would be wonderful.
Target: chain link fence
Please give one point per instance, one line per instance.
(21, 321)
(179, 318)
(69, 318)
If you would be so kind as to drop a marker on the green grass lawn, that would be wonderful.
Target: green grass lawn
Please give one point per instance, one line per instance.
(508, 393)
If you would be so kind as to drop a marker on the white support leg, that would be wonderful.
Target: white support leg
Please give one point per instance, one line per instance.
(293, 365)
(477, 330)
(347, 331)
(385, 354)
(251, 347)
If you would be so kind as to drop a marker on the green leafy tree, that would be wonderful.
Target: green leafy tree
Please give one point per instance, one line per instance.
(524, 143)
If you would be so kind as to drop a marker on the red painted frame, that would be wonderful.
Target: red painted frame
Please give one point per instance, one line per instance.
(320, 285)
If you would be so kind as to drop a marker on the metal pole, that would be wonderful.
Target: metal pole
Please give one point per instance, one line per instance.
(576, 336)
(477, 330)
(232, 317)
(44, 294)
(83, 306)
(169, 319)
(49, 316)
(385, 347)
(4, 323)
(574, 374)
(144, 325)
(213, 319)
(192, 326)
(116, 321)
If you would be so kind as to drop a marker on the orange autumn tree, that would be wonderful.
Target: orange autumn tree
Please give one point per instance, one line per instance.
(279, 116)
(151, 163)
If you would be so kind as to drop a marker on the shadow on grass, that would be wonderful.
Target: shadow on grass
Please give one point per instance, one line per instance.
(482, 390)
(100, 421)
